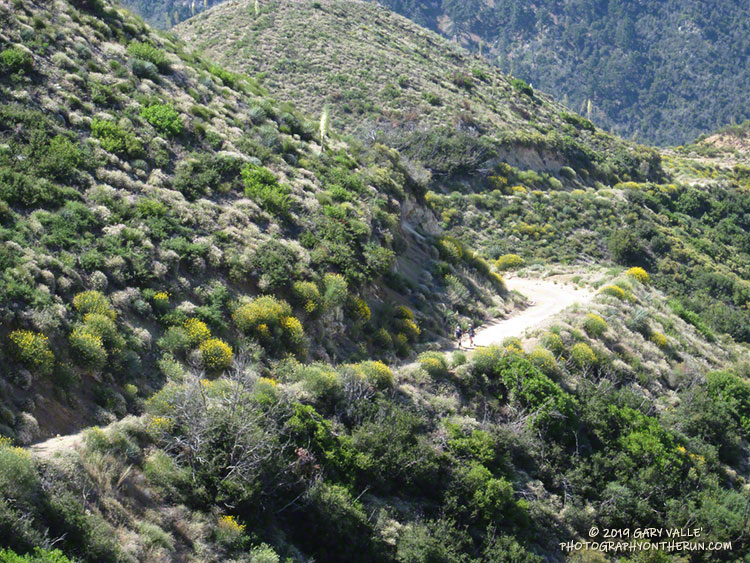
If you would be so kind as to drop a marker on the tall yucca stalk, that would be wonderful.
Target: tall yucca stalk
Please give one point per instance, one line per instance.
(323, 126)
(257, 7)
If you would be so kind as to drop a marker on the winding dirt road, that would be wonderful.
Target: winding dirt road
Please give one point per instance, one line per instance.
(547, 298)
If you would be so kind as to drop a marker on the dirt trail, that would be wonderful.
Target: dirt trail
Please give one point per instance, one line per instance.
(60, 444)
(547, 298)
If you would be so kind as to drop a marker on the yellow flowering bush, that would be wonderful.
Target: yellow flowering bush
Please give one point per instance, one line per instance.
(88, 348)
(93, 302)
(265, 310)
(433, 363)
(485, 359)
(513, 345)
(614, 291)
(509, 262)
(498, 280)
(553, 343)
(450, 249)
(359, 310)
(582, 355)
(32, 350)
(158, 425)
(231, 532)
(216, 354)
(293, 330)
(105, 328)
(638, 274)
(594, 325)
(161, 300)
(543, 359)
(308, 294)
(230, 523)
(402, 312)
(409, 328)
(659, 339)
(197, 331)
(376, 373)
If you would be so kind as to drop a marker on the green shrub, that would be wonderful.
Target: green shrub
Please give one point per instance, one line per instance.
(115, 139)
(145, 69)
(553, 343)
(693, 318)
(27, 191)
(39, 555)
(164, 118)
(582, 355)
(93, 302)
(432, 98)
(228, 78)
(175, 340)
(335, 290)
(276, 264)
(376, 373)
(434, 363)
(594, 325)
(32, 350)
(197, 331)
(88, 348)
(15, 59)
(509, 262)
(321, 381)
(522, 86)
(263, 187)
(614, 291)
(216, 354)
(149, 53)
(61, 158)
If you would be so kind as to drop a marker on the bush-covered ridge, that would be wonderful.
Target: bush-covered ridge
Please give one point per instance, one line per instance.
(385, 79)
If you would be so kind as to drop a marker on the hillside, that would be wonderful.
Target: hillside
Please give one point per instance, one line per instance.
(236, 315)
(387, 80)
(664, 71)
(150, 195)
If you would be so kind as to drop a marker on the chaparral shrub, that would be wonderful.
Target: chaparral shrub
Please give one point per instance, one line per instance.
(32, 350)
(216, 354)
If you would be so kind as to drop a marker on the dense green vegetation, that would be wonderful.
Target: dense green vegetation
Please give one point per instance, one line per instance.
(249, 305)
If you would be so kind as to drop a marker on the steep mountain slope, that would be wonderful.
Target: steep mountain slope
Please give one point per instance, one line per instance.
(147, 195)
(666, 71)
(388, 80)
(662, 71)
(179, 246)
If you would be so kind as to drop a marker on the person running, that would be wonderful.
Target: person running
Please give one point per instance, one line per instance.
(471, 335)
(458, 334)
